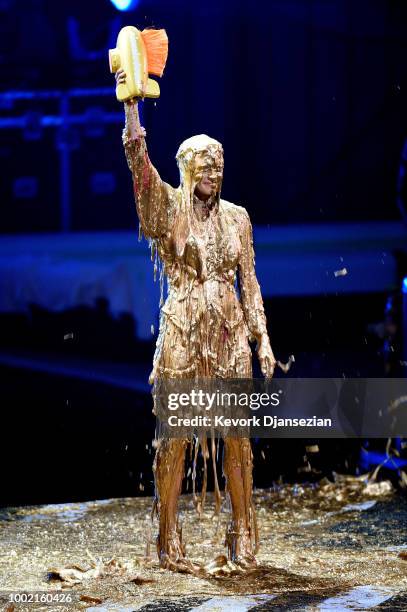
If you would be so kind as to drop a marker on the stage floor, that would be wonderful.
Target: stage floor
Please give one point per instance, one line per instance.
(334, 546)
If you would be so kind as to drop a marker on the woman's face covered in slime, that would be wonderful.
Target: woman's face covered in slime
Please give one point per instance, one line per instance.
(200, 161)
(209, 172)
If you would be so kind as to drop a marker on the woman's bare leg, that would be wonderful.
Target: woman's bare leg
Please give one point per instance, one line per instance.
(169, 472)
(241, 536)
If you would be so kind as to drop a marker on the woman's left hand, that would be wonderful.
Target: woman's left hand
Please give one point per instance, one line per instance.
(266, 357)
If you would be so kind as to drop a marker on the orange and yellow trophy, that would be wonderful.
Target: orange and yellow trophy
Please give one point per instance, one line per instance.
(139, 54)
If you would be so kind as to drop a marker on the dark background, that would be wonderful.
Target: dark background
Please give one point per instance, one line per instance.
(309, 99)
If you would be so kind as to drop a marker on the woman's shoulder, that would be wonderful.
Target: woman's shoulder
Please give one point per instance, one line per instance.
(236, 212)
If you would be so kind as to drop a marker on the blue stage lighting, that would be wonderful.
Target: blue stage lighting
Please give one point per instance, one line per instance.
(405, 285)
(370, 459)
(125, 5)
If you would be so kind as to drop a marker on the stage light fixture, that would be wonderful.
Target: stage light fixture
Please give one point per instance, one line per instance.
(125, 5)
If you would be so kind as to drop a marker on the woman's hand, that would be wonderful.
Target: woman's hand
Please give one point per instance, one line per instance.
(265, 355)
(120, 76)
(136, 130)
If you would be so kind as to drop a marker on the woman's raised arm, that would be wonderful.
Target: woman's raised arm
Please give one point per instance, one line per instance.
(156, 201)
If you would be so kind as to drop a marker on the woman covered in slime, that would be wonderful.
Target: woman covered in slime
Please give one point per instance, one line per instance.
(204, 243)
